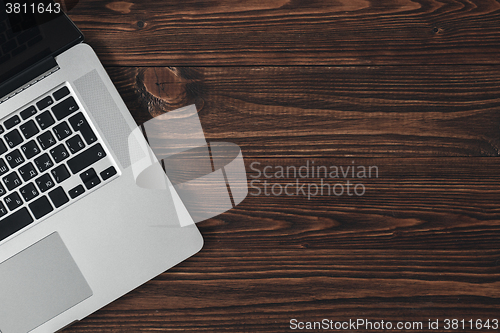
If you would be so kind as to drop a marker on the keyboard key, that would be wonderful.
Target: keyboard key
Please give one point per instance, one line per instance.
(14, 158)
(3, 167)
(91, 183)
(88, 135)
(29, 129)
(46, 102)
(3, 148)
(77, 121)
(12, 181)
(65, 108)
(58, 197)
(86, 158)
(3, 210)
(31, 111)
(29, 192)
(40, 207)
(27, 171)
(13, 138)
(13, 201)
(60, 173)
(44, 182)
(75, 144)
(30, 149)
(11, 122)
(90, 178)
(43, 162)
(15, 222)
(59, 153)
(2, 190)
(1, 129)
(64, 91)
(88, 174)
(80, 124)
(45, 120)
(46, 140)
(77, 191)
(108, 173)
(62, 131)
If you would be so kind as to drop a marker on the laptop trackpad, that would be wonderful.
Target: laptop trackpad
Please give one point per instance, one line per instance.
(39, 283)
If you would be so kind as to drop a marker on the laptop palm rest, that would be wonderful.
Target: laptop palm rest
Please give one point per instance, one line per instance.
(39, 283)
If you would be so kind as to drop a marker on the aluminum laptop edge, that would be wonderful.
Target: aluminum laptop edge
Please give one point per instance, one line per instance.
(108, 239)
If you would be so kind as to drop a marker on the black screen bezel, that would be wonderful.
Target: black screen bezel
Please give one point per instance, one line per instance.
(60, 35)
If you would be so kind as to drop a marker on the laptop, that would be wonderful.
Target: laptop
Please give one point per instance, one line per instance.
(76, 230)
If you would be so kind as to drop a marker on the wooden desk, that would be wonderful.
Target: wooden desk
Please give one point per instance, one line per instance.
(412, 87)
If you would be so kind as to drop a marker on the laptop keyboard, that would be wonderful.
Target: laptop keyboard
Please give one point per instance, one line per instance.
(50, 156)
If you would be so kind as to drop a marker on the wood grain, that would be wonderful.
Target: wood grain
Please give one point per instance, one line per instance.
(285, 32)
(421, 244)
(329, 111)
(409, 86)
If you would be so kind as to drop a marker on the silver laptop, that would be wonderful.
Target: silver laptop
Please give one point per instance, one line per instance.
(76, 230)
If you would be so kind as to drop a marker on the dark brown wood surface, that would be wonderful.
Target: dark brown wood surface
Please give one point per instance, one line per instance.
(412, 87)
(291, 32)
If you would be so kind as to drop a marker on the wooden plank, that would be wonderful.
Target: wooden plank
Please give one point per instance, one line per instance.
(422, 243)
(343, 32)
(275, 317)
(329, 111)
(408, 203)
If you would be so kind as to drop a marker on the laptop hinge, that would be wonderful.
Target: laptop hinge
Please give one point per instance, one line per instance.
(27, 78)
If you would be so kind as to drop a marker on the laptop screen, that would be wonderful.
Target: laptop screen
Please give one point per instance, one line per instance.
(30, 32)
